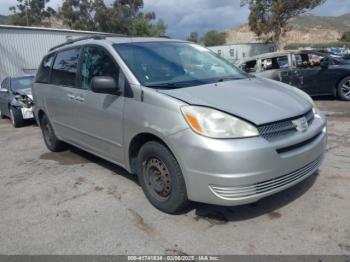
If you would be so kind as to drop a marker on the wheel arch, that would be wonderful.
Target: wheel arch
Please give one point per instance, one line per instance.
(40, 114)
(135, 145)
(335, 89)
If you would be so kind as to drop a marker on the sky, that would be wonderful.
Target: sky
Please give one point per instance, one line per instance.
(185, 16)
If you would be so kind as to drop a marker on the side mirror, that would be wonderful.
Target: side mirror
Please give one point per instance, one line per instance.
(3, 90)
(104, 85)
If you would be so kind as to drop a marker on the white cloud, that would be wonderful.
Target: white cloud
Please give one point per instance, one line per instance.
(185, 16)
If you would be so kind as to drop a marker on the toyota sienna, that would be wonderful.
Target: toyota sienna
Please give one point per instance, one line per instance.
(190, 125)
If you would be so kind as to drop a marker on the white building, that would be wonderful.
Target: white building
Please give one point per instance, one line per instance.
(235, 53)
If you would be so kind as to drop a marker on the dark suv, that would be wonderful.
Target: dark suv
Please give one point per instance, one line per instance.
(313, 72)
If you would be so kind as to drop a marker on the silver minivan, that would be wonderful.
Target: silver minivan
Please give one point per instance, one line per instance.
(189, 124)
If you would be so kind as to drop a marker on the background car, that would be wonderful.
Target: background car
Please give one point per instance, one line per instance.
(313, 72)
(16, 100)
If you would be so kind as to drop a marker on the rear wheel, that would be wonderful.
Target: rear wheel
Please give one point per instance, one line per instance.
(51, 141)
(344, 89)
(16, 117)
(161, 178)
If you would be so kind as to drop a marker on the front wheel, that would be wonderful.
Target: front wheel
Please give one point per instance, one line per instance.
(344, 89)
(16, 117)
(51, 140)
(161, 178)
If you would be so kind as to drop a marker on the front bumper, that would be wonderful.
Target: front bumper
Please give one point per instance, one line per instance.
(240, 171)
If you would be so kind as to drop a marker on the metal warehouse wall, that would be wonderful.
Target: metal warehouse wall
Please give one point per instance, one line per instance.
(21, 48)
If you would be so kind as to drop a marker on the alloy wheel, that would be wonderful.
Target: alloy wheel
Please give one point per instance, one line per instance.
(346, 89)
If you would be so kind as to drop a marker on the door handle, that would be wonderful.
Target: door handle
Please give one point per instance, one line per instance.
(79, 98)
(71, 97)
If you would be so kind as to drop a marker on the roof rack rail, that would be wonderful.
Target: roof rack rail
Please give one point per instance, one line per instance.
(95, 37)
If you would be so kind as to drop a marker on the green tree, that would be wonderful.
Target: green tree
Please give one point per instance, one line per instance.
(123, 16)
(79, 14)
(193, 37)
(213, 38)
(345, 37)
(269, 18)
(30, 12)
(142, 26)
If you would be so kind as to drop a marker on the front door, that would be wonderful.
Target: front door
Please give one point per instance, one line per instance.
(312, 78)
(277, 68)
(99, 117)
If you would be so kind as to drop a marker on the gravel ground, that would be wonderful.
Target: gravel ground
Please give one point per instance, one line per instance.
(76, 203)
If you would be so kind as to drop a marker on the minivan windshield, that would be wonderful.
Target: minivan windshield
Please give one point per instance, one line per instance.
(175, 64)
(22, 83)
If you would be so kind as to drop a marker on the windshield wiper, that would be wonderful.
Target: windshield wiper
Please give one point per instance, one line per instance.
(176, 84)
(165, 85)
(228, 78)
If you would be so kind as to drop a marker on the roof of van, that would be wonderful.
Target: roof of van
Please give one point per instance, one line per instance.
(112, 40)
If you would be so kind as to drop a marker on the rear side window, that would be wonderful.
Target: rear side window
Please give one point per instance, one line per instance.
(96, 62)
(250, 67)
(64, 69)
(275, 63)
(43, 75)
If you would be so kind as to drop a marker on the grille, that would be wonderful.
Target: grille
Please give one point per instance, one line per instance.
(296, 146)
(233, 193)
(276, 129)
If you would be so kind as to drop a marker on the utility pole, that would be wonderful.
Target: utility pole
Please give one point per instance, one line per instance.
(27, 3)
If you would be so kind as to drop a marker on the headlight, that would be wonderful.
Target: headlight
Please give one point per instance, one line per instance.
(215, 124)
(24, 100)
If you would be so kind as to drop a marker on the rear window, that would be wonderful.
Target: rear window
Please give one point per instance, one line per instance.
(274, 63)
(65, 67)
(43, 75)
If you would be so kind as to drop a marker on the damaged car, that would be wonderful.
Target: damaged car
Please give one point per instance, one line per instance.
(189, 124)
(313, 72)
(16, 100)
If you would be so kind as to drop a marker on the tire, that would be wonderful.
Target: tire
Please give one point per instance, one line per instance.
(50, 139)
(161, 178)
(16, 117)
(344, 89)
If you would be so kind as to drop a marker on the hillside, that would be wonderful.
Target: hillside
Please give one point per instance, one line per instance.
(340, 23)
(306, 29)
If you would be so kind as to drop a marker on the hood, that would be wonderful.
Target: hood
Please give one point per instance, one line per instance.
(25, 92)
(257, 100)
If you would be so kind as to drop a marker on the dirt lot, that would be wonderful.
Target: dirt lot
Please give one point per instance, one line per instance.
(75, 203)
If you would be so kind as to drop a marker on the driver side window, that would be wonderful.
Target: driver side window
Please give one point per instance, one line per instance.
(96, 62)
